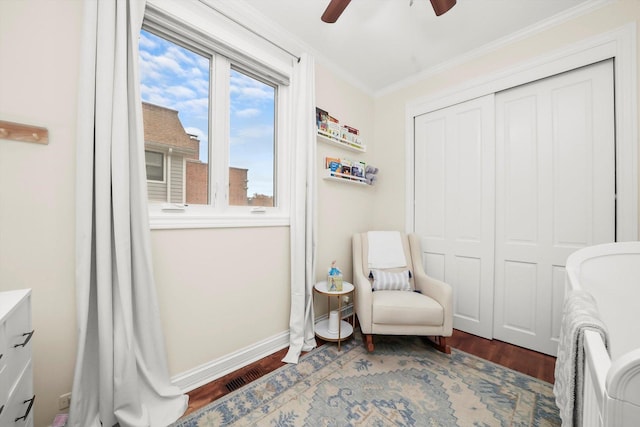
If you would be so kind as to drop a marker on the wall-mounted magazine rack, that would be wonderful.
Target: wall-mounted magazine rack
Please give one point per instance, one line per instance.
(343, 178)
(340, 142)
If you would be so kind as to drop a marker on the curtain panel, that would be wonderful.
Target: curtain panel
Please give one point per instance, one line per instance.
(121, 375)
(303, 210)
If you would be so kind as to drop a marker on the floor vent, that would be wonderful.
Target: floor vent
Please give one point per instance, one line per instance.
(244, 379)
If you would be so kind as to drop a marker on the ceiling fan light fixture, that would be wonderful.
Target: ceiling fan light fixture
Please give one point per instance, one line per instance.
(334, 10)
(442, 6)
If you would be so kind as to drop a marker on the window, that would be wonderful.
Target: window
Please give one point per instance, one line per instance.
(155, 165)
(175, 108)
(251, 152)
(210, 126)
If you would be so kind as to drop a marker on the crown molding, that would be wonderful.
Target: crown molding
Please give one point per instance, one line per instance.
(269, 29)
(537, 28)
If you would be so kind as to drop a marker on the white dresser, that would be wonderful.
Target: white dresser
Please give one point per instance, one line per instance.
(16, 371)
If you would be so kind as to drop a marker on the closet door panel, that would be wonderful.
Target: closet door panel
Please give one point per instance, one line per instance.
(520, 311)
(468, 273)
(468, 180)
(430, 178)
(519, 165)
(555, 193)
(456, 143)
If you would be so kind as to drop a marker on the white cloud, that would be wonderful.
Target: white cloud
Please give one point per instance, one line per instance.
(195, 73)
(247, 87)
(180, 55)
(195, 106)
(201, 86)
(153, 95)
(180, 91)
(167, 64)
(254, 132)
(248, 112)
(148, 68)
(146, 42)
(254, 93)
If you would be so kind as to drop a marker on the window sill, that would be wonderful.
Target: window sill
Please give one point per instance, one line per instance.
(189, 217)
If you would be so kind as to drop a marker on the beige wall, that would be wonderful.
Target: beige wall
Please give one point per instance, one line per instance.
(343, 209)
(220, 290)
(392, 106)
(39, 45)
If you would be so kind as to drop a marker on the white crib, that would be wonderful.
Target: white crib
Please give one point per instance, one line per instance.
(611, 273)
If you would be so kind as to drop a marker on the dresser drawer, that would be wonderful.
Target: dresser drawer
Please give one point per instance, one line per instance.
(18, 342)
(19, 408)
(4, 382)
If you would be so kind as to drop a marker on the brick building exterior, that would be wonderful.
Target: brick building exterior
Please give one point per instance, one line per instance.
(238, 187)
(184, 176)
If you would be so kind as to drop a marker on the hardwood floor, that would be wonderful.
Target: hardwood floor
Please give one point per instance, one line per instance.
(517, 358)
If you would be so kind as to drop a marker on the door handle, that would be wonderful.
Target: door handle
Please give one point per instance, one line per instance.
(26, 414)
(28, 335)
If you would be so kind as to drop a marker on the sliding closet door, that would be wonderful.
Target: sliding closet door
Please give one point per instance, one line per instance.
(454, 206)
(555, 193)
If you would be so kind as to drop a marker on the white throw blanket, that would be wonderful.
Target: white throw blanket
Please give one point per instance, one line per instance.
(385, 249)
(579, 314)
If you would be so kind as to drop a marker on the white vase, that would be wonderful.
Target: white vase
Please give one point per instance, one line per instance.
(334, 318)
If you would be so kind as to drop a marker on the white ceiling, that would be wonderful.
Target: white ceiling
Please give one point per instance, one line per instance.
(382, 43)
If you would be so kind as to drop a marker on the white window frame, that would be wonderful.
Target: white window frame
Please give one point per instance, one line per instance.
(164, 167)
(177, 26)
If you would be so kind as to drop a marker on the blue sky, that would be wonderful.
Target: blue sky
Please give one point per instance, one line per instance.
(174, 77)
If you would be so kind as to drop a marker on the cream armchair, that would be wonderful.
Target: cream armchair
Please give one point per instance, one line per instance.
(427, 311)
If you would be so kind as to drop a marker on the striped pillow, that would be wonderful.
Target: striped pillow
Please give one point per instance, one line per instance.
(391, 281)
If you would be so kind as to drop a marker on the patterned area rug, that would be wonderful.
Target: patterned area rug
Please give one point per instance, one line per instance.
(404, 382)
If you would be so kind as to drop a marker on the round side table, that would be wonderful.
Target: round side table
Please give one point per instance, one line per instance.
(345, 329)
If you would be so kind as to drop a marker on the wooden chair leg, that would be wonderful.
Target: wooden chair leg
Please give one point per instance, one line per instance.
(368, 341)
(439, 343)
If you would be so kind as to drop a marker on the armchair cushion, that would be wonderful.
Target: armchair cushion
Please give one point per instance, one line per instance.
(406, 308)
(391, 280)
(385, 250)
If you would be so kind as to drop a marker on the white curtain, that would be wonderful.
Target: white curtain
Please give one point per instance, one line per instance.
(121, 375)
(303, 210)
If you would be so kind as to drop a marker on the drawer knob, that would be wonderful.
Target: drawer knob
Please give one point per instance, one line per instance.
(28, 335)
(26, 414)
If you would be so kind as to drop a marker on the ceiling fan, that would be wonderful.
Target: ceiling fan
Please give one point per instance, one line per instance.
(336, 7)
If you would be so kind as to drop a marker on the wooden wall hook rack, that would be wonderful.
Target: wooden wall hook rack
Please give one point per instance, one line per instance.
(24, 133)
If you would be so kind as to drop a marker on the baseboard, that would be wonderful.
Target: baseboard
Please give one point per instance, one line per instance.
(210, 371)
(217, 368)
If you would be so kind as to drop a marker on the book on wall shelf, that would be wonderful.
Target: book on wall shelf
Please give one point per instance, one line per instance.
(340, 177)
(331, 139)
(334, 164)
(331, 131)
(345, 170)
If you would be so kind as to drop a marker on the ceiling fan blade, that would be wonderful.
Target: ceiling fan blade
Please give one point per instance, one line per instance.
(334, 10)
(442, 6)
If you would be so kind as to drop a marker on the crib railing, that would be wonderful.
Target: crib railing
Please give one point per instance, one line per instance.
(597, 364)
(611, 390)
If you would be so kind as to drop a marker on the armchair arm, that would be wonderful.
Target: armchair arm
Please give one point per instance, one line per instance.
(363, 295)
(434, 288)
